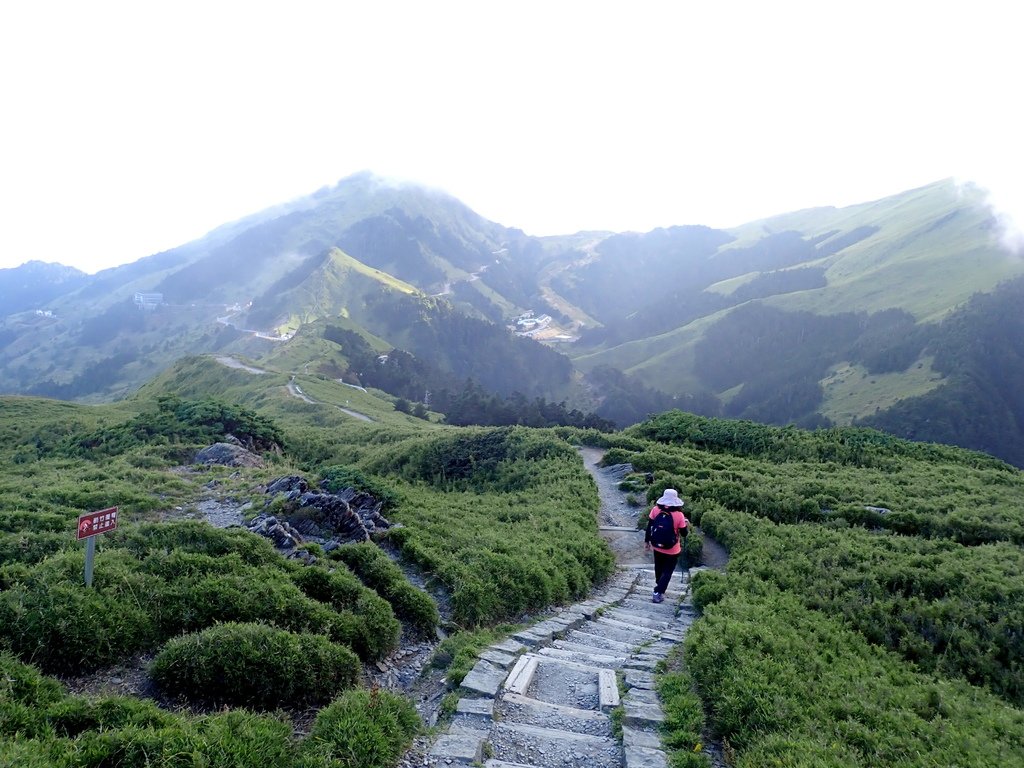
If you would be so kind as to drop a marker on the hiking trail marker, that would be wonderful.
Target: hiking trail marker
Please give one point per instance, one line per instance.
(91, 525)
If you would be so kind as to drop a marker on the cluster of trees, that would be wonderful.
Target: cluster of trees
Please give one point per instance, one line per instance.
(978, 350)
(418, 384)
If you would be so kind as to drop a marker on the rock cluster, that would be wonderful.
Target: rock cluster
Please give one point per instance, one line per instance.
(228, 455)
(328, 519)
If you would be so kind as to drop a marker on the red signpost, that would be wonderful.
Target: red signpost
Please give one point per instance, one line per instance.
(91, 525)
(95, 523)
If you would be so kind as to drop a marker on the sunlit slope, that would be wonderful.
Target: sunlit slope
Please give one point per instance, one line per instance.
(296, 398)
(934, 247)
(338, 286)
(924, 252)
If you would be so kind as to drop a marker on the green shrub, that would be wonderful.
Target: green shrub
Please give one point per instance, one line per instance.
(364, 620)
(254, 665)
(193, 537)
(229, 740)
(457, 653)
(378, 572)
(684, 714)
(65, 627)
(362, 729)
(337, 478)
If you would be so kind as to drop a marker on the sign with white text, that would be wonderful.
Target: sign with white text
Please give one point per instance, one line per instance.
(95, 523)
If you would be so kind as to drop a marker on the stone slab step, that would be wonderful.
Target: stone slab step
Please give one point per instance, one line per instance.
(484, 678)
(637, 619)
(607, 690)
(602, 659)
(536, 745)
(508, 646)
(479, 709)
(643, 715)
(514, 708)
(644, 606)
(463, 748)
(605, 623)
(597, 641)
(504, 764)
(644, 757)
(522, 673)
(577, 646)
(641, 696)
(636, 678)
(636, 737)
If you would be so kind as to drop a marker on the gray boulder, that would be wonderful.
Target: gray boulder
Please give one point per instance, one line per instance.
(228, 455)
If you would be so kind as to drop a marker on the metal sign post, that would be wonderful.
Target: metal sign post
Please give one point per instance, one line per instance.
(90, 525)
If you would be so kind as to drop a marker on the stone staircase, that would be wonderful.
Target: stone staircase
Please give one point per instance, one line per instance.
(543, 698)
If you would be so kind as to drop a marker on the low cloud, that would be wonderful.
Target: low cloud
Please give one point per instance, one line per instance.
(1005, 198)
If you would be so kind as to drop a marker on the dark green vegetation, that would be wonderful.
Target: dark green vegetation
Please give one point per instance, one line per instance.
(228, 620)
(254, 665)
(376, 570)
(871, 613)
(362, 729)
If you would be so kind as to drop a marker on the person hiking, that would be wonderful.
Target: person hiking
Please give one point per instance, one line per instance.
(666, 529)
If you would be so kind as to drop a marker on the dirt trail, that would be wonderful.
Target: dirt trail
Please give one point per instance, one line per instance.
(617, 512)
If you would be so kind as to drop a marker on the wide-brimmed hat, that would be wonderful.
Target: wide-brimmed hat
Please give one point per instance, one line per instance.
(670, 498)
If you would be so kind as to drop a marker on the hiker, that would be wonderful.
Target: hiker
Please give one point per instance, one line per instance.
(666, 528)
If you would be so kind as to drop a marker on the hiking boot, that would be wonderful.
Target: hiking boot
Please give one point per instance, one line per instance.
(658, 597)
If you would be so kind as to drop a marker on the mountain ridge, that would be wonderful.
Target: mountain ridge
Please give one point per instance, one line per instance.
(643, 303)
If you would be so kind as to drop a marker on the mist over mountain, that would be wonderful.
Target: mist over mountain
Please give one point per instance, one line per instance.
(869, 314)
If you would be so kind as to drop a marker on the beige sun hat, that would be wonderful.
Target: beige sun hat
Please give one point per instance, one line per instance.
(670, 498)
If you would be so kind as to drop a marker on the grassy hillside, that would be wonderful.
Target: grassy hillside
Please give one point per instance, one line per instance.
(871, 610)
(890, 569)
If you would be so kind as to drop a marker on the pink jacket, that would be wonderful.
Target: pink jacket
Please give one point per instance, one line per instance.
(680, 523)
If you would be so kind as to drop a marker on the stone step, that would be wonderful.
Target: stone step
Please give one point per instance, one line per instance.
(578, 646)
(597, 641)
(505, 764)
(522, 673)
(607, 690)
(459, 747)
(514, 708)
(537, 745)
(567, 683)
(619, 630)
(485, 678)
(644, 757)
(635, 619)
(644, 605)
(603, 660)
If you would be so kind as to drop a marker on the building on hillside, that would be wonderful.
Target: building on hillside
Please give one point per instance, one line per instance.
(148, 300)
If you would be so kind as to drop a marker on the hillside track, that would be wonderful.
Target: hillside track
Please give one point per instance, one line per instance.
(543, 697)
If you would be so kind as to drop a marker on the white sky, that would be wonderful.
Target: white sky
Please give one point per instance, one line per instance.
(127, 128)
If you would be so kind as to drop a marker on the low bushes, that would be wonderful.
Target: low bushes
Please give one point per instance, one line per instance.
(376, 571)
(185, 579)
(254, 665)
(786, 685)
(364, 619)
(362, 729)
(42, 727)
(684, 713)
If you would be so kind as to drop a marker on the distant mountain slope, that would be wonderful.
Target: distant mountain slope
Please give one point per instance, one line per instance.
(34, 284)
(814, 317)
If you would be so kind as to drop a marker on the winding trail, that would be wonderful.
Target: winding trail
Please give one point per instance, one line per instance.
(543, 697)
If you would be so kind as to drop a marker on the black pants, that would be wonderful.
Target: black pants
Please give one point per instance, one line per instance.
(663, 567)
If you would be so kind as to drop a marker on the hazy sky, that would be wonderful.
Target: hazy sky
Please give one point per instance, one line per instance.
(129, 128)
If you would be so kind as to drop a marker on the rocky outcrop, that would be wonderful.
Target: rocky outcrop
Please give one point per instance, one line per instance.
(328, 519)
(228, 455)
